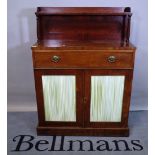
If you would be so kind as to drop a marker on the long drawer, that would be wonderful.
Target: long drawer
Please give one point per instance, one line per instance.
(83, 59)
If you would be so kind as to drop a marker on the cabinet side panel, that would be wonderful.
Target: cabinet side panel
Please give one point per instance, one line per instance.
(106, 98)
(59, 98)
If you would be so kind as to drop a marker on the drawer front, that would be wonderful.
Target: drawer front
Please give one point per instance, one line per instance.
(83, 59)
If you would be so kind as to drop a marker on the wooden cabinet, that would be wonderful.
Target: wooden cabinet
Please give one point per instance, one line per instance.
(83, 78)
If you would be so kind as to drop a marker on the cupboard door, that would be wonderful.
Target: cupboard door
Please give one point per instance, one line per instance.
(108, 97)
(59, 97)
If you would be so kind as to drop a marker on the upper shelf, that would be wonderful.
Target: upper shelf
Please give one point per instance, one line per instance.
(103, 24)
(83, 11)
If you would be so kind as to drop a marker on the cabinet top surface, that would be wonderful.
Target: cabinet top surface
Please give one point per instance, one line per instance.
(80, 45)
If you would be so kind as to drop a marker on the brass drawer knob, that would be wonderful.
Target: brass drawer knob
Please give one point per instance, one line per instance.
(111, 59)
(55, 58)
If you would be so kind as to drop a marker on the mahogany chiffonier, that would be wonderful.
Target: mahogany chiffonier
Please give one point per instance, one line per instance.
(83, 67)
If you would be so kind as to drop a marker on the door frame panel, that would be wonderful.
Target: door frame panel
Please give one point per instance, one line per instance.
(126, 96)
(40, 100)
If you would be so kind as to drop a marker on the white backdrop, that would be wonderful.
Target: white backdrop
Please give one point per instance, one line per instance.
(22, 34)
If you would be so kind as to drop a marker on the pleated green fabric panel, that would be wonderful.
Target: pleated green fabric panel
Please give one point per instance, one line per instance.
(59, 98)
(106, 98)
